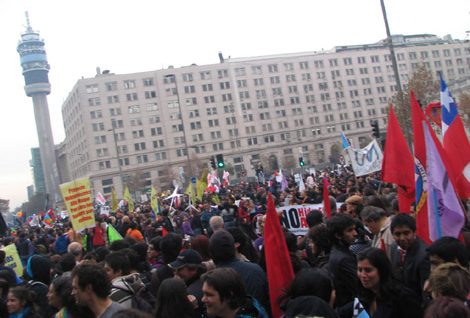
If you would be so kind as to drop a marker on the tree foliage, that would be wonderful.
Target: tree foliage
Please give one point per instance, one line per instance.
(426, 89)
(464, 108)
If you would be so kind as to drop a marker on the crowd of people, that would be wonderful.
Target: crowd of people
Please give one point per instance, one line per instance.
(206, 259)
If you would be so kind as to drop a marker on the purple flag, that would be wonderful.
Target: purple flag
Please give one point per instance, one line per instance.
(446, 216)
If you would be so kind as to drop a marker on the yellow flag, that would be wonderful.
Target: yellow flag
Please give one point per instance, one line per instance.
(114, 200)
(190, 192)
(154, 201)
(128, 198)
(216, 199)
(201, 186)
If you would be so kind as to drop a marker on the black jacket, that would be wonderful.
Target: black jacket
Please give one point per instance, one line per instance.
(343, 269)
(415, 270)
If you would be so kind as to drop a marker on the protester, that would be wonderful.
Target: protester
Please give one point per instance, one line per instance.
(447, 307)
(60, 297)
(20, 303)
(329, 248)
(91, 288)
(447, 249)
(225, 296)
(409, 258)
(124, 283)
(222, 249)
(378, 223)
(450, 279)
(342, 262)
(173, 300)
(38, 271)
(381, 295)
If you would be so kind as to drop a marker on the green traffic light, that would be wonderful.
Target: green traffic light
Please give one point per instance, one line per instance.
(220, 164)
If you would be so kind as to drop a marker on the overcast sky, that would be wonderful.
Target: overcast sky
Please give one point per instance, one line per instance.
(141, 35)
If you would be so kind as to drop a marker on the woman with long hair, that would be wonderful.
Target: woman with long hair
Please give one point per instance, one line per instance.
(20, 303)
(173, 300)
(60, 297)
(381, 295)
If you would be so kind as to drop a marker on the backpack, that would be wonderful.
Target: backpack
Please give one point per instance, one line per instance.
(142, 299)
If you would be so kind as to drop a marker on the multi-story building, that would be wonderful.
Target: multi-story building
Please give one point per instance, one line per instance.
(38, 172)
(269, 109)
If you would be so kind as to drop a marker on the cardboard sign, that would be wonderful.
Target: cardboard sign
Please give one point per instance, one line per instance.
(79, 203)
(294, 217)
(12, 259)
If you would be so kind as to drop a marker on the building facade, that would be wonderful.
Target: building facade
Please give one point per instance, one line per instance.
(269, 110)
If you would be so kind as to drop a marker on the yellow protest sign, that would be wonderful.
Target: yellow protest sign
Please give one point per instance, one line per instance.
(12, 259)
(79, 203)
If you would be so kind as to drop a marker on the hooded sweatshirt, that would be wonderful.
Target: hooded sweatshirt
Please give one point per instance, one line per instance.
(124, 288)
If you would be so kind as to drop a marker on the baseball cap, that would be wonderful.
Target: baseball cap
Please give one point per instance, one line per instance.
(187, 257)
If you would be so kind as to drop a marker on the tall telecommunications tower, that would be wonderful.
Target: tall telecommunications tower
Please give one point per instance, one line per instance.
(35, 71)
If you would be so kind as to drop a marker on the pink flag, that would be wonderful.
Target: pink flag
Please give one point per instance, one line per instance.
(446, 216)
(100, 199)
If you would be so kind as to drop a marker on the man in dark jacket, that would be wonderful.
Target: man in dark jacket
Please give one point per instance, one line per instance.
(222, 249)
(342, 262)
(408, 254)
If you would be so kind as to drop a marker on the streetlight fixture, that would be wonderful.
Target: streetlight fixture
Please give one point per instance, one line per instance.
(173, 76)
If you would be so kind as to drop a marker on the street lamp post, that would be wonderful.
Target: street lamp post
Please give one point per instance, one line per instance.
(190, 167)
(118, 156)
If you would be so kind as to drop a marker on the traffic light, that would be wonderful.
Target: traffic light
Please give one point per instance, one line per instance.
(375, 129)
(220, 160)
(213, 166)
(301, 161)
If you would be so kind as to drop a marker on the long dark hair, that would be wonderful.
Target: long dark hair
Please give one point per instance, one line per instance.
(25, 296)
(378, 259)
(172, 300)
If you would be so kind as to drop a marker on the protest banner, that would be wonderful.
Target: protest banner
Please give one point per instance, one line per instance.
(79, 203)
(12, 259)
(366, 160)
(294, 217)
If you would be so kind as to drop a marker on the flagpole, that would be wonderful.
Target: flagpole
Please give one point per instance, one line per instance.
(436, 214)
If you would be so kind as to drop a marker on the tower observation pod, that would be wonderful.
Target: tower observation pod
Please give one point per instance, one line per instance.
(35, 71)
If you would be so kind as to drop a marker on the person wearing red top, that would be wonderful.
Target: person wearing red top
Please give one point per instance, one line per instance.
(98, 235)
(134, 233)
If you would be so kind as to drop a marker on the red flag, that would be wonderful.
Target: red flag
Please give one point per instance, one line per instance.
(398, 164)
(457, 148)
(326, 199)
(278, 263)
(422, 222)
(433, 110)
(455, 143)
